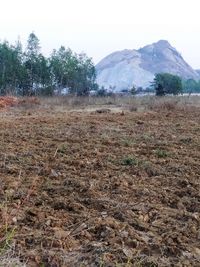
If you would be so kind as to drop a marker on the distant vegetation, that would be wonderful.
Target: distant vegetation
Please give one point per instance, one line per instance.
(29, 72)
(165, 83)
(191, 86)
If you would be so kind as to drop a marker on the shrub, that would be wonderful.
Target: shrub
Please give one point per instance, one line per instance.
(160, 153)
(129, 161)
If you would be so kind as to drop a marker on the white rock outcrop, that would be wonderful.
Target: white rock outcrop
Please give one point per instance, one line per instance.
(123, 69)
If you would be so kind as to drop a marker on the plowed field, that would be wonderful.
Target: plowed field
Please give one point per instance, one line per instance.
(101, 189)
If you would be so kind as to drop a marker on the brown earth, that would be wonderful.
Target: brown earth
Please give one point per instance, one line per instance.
(101, 189)
(10, 101)
(7, 101)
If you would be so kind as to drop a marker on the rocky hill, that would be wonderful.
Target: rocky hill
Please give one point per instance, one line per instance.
(198, 71)
(122, 69)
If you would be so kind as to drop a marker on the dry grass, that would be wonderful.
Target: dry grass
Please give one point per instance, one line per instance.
(9, 259)
(133, 104)
(138, 103)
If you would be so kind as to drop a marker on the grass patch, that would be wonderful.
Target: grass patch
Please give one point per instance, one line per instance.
(160, 153)
(8, 235)
(128, 142)
(130, 161)
(62, 149)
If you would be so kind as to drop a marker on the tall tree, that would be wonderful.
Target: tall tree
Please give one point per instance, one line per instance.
(29, 72)
(76, 72)
(86, 75)
(32, 62)
(10, 68)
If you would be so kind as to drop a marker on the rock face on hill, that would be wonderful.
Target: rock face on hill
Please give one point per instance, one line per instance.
(123, 69)
(198, 71)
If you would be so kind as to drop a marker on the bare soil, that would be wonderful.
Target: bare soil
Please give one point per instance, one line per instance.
(101, 188)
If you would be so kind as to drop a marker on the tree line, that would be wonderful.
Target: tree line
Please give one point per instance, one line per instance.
(28, 72)
(166, 84)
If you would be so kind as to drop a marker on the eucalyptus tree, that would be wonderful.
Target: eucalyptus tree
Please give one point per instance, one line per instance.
(73, 71)
(10, 68)
(30, 72)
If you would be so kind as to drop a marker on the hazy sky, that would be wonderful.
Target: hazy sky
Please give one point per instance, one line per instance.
(99, 27)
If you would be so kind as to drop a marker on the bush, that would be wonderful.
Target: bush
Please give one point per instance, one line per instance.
(129, 161)
(101, 92)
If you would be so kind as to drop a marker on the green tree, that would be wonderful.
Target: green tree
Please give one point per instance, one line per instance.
(62, 67)
(165, 83)
(10, 68)
(5, 67)
(29, 72)
(21, 76)
(191, 86)
(85, 76)
(72, 71)
(32, 63)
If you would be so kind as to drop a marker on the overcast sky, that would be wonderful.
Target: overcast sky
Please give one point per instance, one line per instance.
(99, 27)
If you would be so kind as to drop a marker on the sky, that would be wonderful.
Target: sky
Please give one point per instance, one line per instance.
(100, 27)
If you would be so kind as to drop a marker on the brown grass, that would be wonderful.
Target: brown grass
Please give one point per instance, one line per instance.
(128, 103)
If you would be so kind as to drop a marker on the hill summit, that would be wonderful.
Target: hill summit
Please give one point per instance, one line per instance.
(123, 69)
